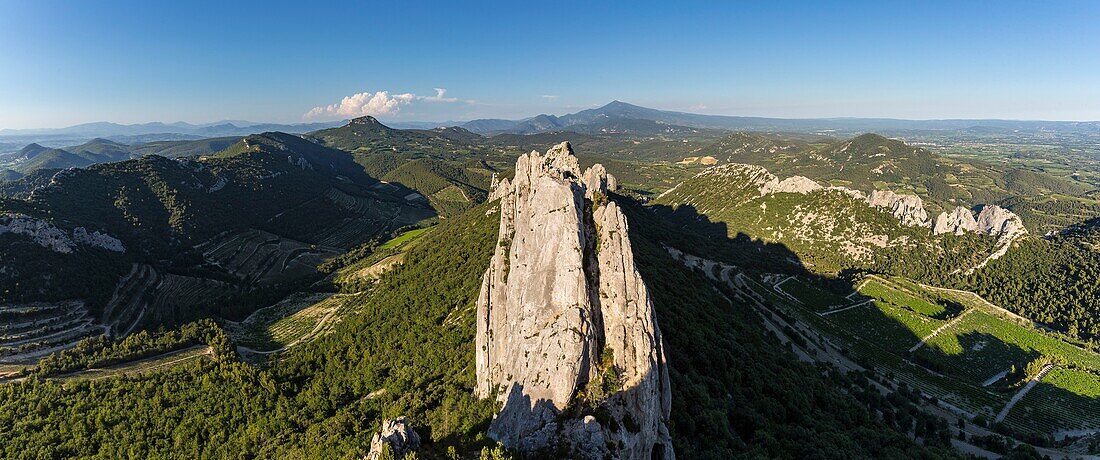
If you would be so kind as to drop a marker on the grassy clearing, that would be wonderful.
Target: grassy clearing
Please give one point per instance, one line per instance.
(404, 238)
(898, 296)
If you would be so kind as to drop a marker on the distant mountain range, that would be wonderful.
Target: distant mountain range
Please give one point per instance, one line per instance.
(615, 117)
(617, 111)
(217, 129)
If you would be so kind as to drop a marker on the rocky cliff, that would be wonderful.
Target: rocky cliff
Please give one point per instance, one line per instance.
(909, 209)
(992, 220)
(958, 221)
(565, 326)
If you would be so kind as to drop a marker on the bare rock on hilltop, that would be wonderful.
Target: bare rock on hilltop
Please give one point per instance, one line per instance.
(909, 209)
(563, 313)
(958, 221)
(396, 435)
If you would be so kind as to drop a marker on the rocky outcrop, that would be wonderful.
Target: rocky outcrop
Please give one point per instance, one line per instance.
(563, 314)
(992, 220)
(995, 220)
(909, 209)
(397, 436)
(794, 184)
(958, 221)
(55, 239)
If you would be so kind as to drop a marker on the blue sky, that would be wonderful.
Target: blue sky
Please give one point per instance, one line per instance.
(63, 63)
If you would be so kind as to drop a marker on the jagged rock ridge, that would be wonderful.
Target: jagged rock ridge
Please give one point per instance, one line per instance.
(397, 436)
(564, 313)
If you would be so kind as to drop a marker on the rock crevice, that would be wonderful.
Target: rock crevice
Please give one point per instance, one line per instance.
(565, 324)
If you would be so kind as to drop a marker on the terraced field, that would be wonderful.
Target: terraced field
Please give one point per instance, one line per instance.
(127, 306)
(370, 219)
(901, 296)
(256, 256)
(982, 344)
(30, 331)
(296, 319)
(1066, 400)
(816, 298)
(975, 343)
(895, 328)
(177, 294)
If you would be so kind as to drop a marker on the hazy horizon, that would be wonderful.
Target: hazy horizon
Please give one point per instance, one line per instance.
(386, 120)
(200, 62)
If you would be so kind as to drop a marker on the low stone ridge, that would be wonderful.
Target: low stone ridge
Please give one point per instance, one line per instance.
(55, 239)
(565, 325)
(397, 436)
(793, 184)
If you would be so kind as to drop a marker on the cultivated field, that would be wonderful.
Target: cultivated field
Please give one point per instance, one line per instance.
(296, 319)
(32, 330)
(256, 256)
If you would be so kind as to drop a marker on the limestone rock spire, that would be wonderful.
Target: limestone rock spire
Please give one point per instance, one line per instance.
(562, 307)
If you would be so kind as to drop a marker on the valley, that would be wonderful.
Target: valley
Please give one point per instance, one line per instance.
(890, 275)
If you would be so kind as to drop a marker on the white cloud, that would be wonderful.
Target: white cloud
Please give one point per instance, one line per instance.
(377, 103)
(550, 97)
(439, 93)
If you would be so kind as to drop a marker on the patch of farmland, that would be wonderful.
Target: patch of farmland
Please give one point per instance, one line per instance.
(298, 318)
(893, 327)
(816, 298)
(164, 361)
(902, 297)
(256, 256)
(176, 295)
(33, 330)
(982, 344)
(128, 302)
(1066, 400)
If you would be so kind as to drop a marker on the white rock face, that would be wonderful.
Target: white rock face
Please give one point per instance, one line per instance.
(793, 184)
(398, 435)
(995, 220)
(56, 239)
(909, 209)
(992, 220)
(560, 289)
(958, 221)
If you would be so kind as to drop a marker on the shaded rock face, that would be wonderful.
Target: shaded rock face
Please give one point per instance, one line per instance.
(909, 209)
(55, 239)
(561, 306)
(397, 435)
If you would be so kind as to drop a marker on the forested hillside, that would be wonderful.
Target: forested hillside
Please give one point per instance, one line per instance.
(408, 351)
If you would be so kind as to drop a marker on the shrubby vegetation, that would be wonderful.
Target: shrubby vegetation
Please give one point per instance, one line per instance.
(408, 352)
(100, 351)
(1053, 281)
